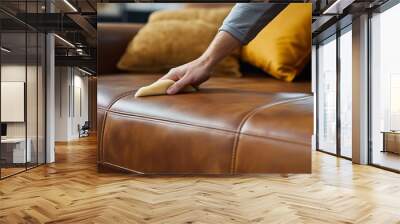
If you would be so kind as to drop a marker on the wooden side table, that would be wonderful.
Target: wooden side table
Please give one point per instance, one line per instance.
(391, 141)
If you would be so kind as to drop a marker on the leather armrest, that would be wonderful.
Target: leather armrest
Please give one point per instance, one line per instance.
(112, 40)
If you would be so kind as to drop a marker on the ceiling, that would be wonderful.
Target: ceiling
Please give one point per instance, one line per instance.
(330, 16)
(72, 20)
(19, 54)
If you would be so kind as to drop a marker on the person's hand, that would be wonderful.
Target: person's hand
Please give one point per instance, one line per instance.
(198, 71)
(193, 73)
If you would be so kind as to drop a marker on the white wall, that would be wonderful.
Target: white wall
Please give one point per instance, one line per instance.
(62, 81)
(13, 100)
(81, 102)
(17, 73)
(70, 83)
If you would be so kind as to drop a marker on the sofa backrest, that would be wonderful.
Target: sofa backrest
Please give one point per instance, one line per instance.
(112, 40)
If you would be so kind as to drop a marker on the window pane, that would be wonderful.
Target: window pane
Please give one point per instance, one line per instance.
(345, 94)
(31, 99)
(14, 153)
(327, 96)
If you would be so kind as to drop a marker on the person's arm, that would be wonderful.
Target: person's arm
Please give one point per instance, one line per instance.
(198, 71)
(241, 25)
(246, 20)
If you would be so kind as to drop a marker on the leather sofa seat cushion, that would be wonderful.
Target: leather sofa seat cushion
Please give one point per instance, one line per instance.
(220, 109)
(111, 86)
(230, 126)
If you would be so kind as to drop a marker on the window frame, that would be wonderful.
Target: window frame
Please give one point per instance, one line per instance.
(31, 30)
(333, 37)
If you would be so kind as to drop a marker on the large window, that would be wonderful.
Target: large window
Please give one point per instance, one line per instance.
(326, 54)
(334, 102)
(345, 60)
(385, 89)
(22, 88)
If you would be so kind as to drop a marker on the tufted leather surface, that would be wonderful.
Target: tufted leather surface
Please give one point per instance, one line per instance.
(253, 124)
(230, 126)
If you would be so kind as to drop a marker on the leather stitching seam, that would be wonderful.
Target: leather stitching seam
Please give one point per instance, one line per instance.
(194, 124)
(247, 117)
(214, 128)
(237, 132)
(221, 130)
(101, 145)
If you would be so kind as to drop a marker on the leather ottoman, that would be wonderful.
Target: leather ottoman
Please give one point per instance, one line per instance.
(253, 124)
(231, 126)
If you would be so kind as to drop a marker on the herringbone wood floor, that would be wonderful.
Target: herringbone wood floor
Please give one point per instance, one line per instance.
(71, 191)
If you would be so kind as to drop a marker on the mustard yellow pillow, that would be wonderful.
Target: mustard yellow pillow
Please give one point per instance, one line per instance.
(213, 16)
(283, 47)
(162, 45)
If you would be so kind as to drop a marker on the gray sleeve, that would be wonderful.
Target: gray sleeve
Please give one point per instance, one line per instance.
(247, 19)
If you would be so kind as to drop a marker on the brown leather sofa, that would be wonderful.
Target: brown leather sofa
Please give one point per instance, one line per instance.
(253, 124)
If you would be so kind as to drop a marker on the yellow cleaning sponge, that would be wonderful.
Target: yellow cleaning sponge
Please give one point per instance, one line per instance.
(160, 88)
